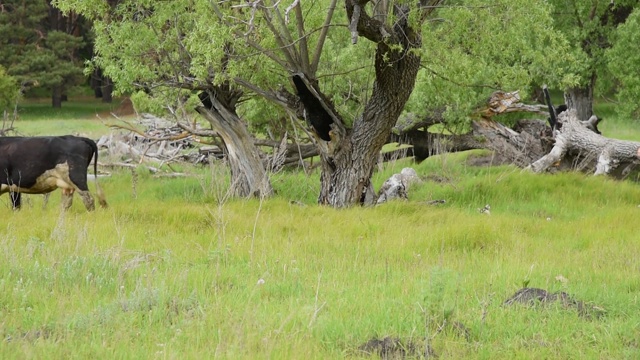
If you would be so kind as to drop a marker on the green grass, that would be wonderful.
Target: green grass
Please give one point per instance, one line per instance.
(84, 116)
(176, 270)
(174, 273)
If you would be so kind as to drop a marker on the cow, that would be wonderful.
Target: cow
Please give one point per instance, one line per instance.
(41, 164)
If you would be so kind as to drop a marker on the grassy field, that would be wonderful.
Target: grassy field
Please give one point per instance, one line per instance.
(173, 269)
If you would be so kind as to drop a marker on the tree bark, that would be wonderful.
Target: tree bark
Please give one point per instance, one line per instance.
(56, 97)
(349, 159)
(107, 90)
(248, 175)
(580, 99)
(347, 171)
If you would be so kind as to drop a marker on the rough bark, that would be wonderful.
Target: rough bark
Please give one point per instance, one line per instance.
(575, 137)
(346, 173)
(248, 175)
(580, 99)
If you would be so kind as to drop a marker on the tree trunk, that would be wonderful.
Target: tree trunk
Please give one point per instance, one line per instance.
(56, 97)
(580, 99)
(248, 175)
(107, 90)
(349, 163)
(96, 83)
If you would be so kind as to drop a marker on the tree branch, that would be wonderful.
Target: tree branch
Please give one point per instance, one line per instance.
(304, 50)
(284, 40)
(322, 38)
(253, 44)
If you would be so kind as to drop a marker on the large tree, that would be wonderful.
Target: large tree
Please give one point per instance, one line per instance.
(589, 25)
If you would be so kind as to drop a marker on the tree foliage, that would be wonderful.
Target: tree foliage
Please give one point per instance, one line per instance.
(9, 90)
(623, 61)
(35, 51)
(591, 26)
(478, 47)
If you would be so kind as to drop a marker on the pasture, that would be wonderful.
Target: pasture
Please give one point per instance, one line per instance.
(174, 269)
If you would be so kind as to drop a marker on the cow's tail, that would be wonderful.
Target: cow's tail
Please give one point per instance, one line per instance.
(101, 198)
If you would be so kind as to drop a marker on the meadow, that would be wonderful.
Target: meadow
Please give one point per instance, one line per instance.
(174, 269)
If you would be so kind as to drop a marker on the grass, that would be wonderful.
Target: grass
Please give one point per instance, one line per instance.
(179, 271)
(83, 115)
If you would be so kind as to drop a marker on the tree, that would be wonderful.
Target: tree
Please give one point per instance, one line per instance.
(623, 60)
(162, 51)
(9, 94)
(35, 51)
(352, 79)
(589, 26)
(9, 90)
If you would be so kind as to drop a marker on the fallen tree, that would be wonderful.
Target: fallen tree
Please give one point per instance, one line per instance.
(602, 155)
(526, 142)
(563, 143)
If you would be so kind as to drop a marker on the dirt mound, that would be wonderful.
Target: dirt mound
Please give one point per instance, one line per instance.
(389, 348)
(533, 296)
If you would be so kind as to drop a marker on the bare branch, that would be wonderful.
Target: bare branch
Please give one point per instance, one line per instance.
(353, 25)
(282, 39)
(289, 8)
(323, 35)
(256, 46)
(304, 50)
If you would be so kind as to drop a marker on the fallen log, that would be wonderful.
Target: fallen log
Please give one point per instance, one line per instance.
(578, 137)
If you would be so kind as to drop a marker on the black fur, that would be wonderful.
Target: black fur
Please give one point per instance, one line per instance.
(316, 114)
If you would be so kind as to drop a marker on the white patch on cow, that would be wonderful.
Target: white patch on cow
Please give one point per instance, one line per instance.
(58, 177)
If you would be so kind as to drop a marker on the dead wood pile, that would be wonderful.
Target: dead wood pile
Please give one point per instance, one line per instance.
(155, 141)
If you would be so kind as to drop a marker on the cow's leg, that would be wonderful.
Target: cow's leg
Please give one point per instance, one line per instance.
(67, 198)
(78, 176)
(16, 198)
(45, 201)
(87, 199)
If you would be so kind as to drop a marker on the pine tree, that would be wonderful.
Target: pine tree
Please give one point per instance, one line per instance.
(38, 46)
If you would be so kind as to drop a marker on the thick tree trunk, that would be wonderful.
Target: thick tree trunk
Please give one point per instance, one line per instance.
(348, 160)
(96, 83)
(248, 174)
(348, 165)
(580, 99)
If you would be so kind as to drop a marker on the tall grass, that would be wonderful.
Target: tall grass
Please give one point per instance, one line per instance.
(177, 273)
(176, 269)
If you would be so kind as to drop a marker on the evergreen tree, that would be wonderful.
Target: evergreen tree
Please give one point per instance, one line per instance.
(38, 46)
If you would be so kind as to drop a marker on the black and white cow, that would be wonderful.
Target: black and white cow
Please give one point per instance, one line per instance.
(39, 165)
